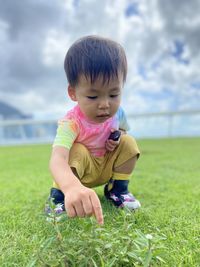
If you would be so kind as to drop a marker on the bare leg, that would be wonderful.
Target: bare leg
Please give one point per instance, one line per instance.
(126, 167)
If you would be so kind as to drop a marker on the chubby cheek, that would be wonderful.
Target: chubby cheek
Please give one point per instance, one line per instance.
(87, 109)
(90, 112)
(115, 106)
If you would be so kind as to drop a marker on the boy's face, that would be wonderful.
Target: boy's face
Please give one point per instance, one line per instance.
(97, 101)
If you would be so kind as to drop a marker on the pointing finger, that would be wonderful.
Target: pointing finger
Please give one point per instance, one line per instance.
(97, 208)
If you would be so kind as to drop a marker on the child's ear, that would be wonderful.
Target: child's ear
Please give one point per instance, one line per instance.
(72, 93)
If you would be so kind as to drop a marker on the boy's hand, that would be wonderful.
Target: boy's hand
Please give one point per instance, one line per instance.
(81, 201)
(110, 143)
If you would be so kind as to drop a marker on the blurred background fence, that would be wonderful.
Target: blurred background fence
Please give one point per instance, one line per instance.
(149, 125)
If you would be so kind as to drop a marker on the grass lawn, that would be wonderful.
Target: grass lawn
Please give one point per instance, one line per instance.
(166, 181)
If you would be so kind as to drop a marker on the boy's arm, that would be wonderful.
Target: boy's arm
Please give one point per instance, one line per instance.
(79, 200)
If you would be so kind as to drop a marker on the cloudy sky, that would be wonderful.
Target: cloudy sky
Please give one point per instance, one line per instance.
(161, 39)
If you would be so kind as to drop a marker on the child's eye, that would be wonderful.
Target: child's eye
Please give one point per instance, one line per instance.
(92, 97)
(113, 96)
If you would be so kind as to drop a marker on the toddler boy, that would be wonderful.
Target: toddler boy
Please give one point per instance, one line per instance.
(83, 155)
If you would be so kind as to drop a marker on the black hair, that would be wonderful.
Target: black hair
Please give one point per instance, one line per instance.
(94, 56)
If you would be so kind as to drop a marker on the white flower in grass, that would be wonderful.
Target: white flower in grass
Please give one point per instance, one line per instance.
(148, 236)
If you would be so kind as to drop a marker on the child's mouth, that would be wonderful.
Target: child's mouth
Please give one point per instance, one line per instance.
(103, 117)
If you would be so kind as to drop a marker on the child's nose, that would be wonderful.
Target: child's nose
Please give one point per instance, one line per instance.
(104, 103)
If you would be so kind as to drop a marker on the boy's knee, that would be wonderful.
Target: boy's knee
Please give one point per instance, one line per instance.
(129, 144)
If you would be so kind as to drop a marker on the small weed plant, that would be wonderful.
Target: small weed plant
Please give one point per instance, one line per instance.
(94, 245)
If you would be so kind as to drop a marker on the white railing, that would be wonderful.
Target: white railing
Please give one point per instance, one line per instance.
(164, 124)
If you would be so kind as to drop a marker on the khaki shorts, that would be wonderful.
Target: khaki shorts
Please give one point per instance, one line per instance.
(94, 171)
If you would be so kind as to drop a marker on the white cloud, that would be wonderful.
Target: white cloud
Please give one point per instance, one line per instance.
(3, 31)
(55, 47)
(33, 69)
(134, 103)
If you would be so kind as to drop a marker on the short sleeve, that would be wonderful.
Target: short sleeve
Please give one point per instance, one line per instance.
(123, 124)
(67, 132)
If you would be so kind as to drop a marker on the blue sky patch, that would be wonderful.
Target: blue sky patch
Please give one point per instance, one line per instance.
(178, 51)
(76, 3)
(195, 85)
(132, 10)
(142, 71)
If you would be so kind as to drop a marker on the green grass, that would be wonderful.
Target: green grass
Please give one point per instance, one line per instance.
(166, 181)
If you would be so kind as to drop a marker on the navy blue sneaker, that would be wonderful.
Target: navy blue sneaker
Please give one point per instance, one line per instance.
(122, 200)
